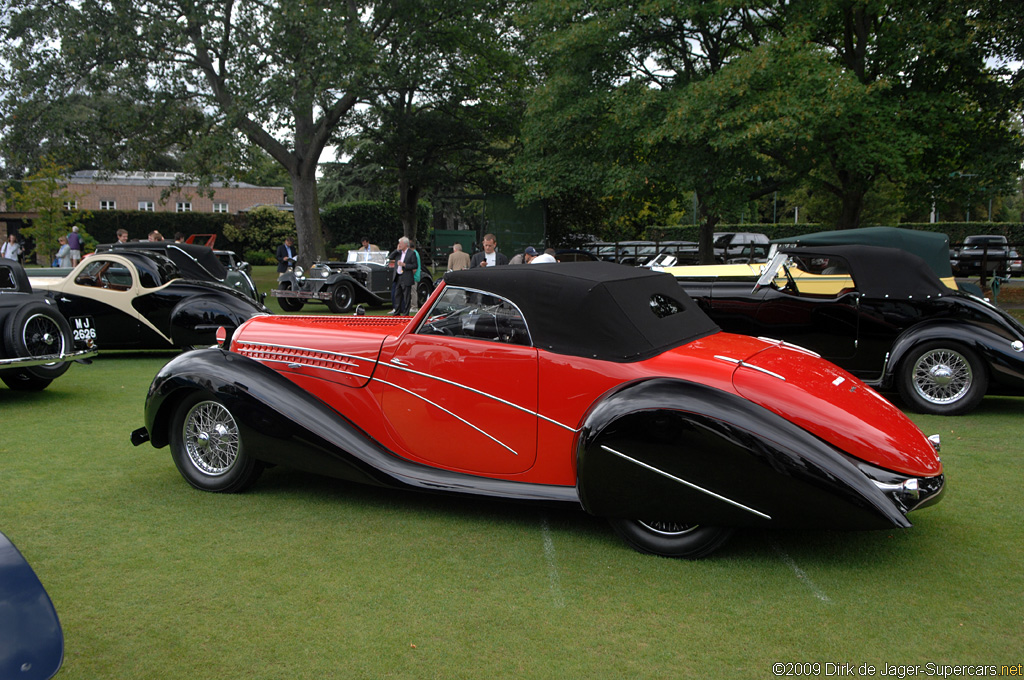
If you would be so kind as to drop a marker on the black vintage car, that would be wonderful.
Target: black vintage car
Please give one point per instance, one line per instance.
(364, 279)
(880, 313)
(198, 262)
(138, 299)
(37, 341)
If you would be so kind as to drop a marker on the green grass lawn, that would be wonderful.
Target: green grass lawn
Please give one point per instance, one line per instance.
(307, 577)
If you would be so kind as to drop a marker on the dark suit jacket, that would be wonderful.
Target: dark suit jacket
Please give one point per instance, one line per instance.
(481, 256)
(282, 254)
(409, 266)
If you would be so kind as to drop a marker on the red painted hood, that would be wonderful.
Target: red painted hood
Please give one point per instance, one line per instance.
(830, 403)
(341, 349)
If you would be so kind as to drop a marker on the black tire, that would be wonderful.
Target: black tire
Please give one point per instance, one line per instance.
(342, 297)
(423, 290)
(942, 378)
(36, 329)
(669, 539)
(22, 381)
(207, 448)
(289, 304)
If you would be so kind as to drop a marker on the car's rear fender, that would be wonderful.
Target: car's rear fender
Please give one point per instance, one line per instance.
(672, 450)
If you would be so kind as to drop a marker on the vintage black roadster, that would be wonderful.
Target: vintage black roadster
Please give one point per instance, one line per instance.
(365, 278)
(37, 343)
(590, 384)
(880, 313)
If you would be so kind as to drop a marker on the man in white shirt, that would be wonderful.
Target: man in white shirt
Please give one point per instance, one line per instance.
(490, 257)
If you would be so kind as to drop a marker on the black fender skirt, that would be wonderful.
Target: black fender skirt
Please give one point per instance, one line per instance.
(282, 424)
(672, 450)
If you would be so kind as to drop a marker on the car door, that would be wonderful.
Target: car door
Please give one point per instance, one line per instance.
(460, 391)
(104, 288)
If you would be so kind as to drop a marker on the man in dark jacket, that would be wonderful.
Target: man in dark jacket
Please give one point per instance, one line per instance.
(285, 256)
(490, 257)
(407, 261)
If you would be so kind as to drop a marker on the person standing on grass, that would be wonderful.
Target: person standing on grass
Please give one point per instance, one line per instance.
(11, 249)
(75, 246)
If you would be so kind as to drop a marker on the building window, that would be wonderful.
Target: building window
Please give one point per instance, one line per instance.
(220, 207)
(71, 205)
(146, 206)
(184, 206)
(108, 205)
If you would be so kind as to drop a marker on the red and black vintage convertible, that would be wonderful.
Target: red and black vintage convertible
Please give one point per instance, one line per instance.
(589, 384)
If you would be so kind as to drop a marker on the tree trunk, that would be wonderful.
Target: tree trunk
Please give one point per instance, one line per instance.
(853, 189)
(706, 239)
(312, 245)
(408, 199)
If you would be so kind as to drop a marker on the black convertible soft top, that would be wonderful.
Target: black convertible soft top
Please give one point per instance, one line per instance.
(881, 272)
(595, 309)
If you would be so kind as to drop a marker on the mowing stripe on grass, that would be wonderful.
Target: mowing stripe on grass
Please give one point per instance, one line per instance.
(800, 573)
(549, 557)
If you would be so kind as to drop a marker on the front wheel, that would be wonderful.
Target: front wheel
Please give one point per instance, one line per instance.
(289, 304)
(671, 539)
(207, 447)
(342, 296)
(942, 378)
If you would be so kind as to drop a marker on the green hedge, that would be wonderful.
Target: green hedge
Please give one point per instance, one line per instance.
(349, 222)
(103, 224)
(956, 231)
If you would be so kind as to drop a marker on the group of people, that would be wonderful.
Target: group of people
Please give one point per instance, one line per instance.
(490, 257)
(408, 264)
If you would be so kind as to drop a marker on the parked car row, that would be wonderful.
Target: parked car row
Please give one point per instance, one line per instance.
(985, 253)
(729, 247)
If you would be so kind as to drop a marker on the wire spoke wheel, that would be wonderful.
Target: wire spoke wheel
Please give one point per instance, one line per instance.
(42, 335)
(669, 528)
(211, 438)
(942, 376)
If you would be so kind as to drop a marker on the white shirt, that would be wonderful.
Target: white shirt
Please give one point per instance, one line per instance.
(10, 250)
(543, 258)
(491, 259)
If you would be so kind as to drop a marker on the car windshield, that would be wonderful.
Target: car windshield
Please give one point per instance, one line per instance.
(462, 312)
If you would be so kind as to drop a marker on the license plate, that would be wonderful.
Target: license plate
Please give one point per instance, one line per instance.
(83, 330)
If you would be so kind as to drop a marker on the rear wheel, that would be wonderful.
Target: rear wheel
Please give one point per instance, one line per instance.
(423, 289)
(207, 447)
(289, 304)
(342, 296)
(36, 330)
(671, 539)
(942, 378)
(23, 382)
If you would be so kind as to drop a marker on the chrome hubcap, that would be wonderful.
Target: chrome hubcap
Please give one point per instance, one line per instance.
(211, 438)
(942, 376)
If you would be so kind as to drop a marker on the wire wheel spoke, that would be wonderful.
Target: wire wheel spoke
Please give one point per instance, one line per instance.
(42, 336)
(669, 528)
(942, 376)
(211, 438)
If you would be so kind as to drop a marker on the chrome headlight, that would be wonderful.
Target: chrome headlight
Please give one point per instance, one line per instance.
(1017, 346)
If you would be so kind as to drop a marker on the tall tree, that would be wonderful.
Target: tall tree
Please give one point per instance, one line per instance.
(211, 75)
(446, 105)
(615, 114)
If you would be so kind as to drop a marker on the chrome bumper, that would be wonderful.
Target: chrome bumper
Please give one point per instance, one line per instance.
(21, 362)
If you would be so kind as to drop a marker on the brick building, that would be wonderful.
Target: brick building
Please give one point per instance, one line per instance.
(153, 192)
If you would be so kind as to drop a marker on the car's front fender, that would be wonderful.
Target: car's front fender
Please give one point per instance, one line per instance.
(672, 450)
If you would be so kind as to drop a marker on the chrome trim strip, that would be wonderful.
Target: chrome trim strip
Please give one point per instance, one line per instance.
(744, 364)
(788, 345)
(685, 483)
(482, 394)
(392, 363)
(438, 406)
